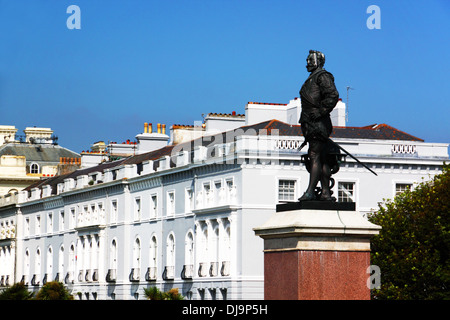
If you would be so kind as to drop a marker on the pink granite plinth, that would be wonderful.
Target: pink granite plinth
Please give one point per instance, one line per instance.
(316, 255)
(316, 275)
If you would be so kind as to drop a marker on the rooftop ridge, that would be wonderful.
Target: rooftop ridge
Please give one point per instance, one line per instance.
(226, 114)
(268, 103)
(182, 126)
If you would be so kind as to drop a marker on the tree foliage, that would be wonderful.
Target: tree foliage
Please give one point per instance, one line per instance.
(54, 290)
(18, 291)
(153, 293)
(412, 249)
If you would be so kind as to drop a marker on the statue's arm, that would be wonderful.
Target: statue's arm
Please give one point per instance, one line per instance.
(329, 93)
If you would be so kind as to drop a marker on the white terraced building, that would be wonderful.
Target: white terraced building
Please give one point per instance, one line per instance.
(181, 215)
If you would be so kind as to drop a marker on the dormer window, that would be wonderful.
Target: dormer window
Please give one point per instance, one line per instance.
(34, 168)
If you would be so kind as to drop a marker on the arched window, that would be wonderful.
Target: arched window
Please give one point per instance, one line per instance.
(5, 264)
(61, 263)
(214, 258)
(113, 255)
(49, 270)
(37, 264)
(95, 256)
(136, 263)
(205, 247)
(111, 276)
(225, 251)
(189, 249)
(69, 278)
(153, 254)
(169, 270)
(170, 252)
(34, 168)
(79, 259)
(72, 258)
(89, 253)
(202, 249)
(137, 253)
(227, 244)
(9, 262)
(2, 262)
(26, 270)
(188, 268)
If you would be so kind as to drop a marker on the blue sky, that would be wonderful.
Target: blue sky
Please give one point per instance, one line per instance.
(169, 61)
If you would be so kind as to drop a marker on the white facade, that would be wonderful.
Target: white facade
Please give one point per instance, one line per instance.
(256, 112)
(184, 218)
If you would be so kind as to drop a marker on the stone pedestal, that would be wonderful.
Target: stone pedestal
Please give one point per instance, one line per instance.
(316, 254)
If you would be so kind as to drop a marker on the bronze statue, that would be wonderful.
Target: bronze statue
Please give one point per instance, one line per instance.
(318, 96)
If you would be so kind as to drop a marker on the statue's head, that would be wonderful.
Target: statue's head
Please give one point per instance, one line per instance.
(315, 59)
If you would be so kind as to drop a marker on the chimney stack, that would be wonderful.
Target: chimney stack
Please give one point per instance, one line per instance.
(145, 127)
(149, 140)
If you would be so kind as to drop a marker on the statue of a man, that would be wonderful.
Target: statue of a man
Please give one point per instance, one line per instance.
(318, 96)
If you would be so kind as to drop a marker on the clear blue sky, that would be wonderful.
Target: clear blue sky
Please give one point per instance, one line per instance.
(136, 61)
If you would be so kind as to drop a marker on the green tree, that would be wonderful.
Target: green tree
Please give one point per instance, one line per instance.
(18, 291)
(54, 290)
(412, 249)
(173, 294)
(153, 293)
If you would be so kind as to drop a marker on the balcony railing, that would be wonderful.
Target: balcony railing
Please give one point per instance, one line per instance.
(24, 279)
(94, 218)
(150, 275)
(202, 269)
(169, 273)
(225, 269)
(187, 272)
(224, 196)
(80, 276)
(68, 279)
(95, 275)
(213, 268)
(4, 281)
(111, 276)
(88, 276)
(135, 275)
(35, 280)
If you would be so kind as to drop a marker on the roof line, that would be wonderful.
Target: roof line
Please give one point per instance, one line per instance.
(388, 126)
(268, 103)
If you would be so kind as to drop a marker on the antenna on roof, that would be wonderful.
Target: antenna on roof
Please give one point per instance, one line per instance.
(346, 111)
(54, 139)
